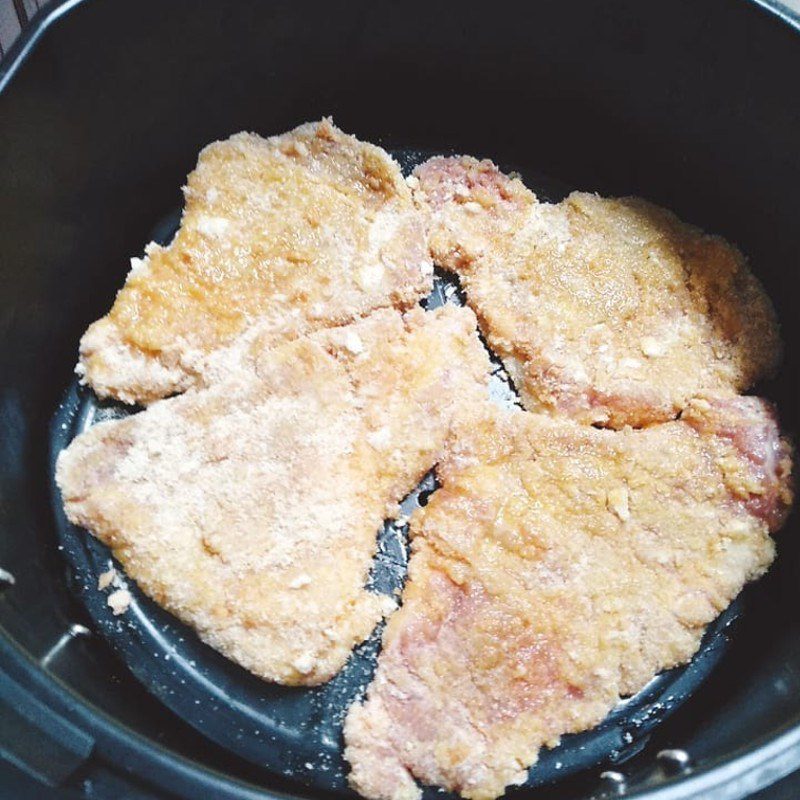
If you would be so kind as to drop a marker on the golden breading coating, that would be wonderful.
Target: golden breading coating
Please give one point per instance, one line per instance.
(610, 311)
(557, 569)
(297, 232)
(250, 509)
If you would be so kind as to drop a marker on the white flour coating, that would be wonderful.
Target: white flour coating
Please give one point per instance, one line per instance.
(250, 508)
(302, 231)
(608, 311)
(556, 570)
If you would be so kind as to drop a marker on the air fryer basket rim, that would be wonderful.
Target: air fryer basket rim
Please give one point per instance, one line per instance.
(41, 697)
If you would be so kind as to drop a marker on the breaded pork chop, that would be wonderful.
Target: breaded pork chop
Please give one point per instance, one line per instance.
(557, 569)
(610, 311)
(250, 509)
(298, 232)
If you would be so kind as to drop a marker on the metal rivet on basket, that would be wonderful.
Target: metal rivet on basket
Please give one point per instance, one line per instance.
(73, 632)
(675, 761)
(615, 780)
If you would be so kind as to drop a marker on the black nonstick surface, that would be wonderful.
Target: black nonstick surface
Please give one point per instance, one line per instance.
(693, 105)
(297, 732)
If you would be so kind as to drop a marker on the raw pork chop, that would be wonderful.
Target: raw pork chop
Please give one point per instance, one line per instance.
(610, 311)
(557, 569)
(298, 232)
(250, 509)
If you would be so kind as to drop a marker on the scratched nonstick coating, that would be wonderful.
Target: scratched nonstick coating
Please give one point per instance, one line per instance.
(297, 732)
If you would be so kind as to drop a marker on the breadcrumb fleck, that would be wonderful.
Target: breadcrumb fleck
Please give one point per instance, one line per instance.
(106, 578)
(119, 601)
(618, 502)
(300, 581)
(652, 347)
(353, 343)
(214, 227)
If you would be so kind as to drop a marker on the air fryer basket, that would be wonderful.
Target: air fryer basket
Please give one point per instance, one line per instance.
(693, 105)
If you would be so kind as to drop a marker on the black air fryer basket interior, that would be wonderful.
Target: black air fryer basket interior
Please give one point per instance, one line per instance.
(693, 105)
